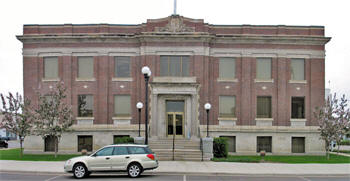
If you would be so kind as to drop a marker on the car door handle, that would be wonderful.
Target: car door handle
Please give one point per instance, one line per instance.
(127, 157)
(107, 158)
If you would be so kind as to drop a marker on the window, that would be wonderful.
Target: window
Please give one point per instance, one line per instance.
(122, 105)
(85, 105)
(86, 67)
(298, 144)
(50, 67)
(136, 150)
(298, 106)
(50, 143)
(263, 68)
(120, 150)
(105, 152)
(227, 106)
(121, 66)
(263, 107)
(264, 143)
(297, 69)
(174, 66)
(227, 68)
(84, 142)
(231, 141)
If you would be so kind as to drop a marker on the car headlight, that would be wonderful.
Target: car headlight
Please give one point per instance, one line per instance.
(68, 162)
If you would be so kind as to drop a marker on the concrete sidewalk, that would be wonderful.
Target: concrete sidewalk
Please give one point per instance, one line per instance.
(203, 168)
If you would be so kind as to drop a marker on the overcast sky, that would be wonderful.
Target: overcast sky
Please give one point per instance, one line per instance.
(334, 15)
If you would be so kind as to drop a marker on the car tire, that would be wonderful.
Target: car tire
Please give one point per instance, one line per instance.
(134, 170)
(80, 171)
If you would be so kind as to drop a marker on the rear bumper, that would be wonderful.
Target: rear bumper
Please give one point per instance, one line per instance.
(149, 165)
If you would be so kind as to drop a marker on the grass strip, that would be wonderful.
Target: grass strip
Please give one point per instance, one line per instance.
(14, 154)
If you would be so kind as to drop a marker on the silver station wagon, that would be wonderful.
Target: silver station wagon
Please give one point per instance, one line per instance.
(127, 157)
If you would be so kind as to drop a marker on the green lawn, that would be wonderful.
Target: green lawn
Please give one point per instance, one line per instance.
(286, 159)
(14, 154)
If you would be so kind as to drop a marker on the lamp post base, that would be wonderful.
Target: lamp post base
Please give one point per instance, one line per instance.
(139, 140)
(207, 145)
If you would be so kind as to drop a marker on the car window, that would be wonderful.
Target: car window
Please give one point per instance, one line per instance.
(105, 152)
(120, 150)
(136, 150)
(148, 150)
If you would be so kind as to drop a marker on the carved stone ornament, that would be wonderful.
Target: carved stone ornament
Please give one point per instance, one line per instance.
(175, 25)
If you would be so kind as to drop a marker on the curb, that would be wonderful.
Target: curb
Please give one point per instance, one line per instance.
(182, 173)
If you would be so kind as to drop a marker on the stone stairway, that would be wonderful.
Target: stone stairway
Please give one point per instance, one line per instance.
(185, 150)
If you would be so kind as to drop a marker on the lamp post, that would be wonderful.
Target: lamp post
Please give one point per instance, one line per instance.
(139, 106)
(207, 107)
(146, 73)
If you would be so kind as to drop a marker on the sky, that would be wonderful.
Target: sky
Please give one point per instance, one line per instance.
(334, 15)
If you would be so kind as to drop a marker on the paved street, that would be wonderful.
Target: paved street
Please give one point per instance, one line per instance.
(7, 176)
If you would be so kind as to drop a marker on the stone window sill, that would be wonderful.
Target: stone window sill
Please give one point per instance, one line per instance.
(264, 119)
(227, 80)
(85, 79)
(298, 81)
(263, 80)
(51, 79)
(174, 79)
(122, 79)
(298, 120)
(85, 118)
(227, 119)
(121, 118)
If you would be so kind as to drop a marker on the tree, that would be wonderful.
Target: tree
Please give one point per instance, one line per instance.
(343, 120)
(18, 117)
(54, 116)
(333, 119)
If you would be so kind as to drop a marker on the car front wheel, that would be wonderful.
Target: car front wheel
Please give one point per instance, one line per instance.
(80, 171)
(134, 170)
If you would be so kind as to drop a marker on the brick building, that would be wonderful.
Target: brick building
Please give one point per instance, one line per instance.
(263, 82)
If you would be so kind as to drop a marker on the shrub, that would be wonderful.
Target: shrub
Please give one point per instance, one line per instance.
(124, 139)
(345, 142)
(220, 147)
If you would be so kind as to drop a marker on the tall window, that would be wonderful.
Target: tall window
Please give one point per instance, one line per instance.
(264, 143)
(50, 143)
(86, 67)
(264, 107)
(227, 106)
(297, 69)
(85, 105)
(84, 142)
(121, 66)
(298, 107)
(263, 68)
(122, 106)
(227, 68)
(174, 66)
(50, 67)
(298, 144)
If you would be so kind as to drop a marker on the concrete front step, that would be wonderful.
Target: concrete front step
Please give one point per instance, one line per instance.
(179, 144)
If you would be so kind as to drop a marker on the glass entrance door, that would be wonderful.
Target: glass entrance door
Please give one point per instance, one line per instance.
(175, 124)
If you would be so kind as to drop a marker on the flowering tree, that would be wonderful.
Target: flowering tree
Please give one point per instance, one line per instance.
(18, 117)
(53, 115)
(343, 120)
(333, 119)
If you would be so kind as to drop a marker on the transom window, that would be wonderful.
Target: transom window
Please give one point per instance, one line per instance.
(227, 67)
(263, 68)
(264, 107)
(50, 67)
(85, 105)
(174, 66)
(297, 69)
(121, 66)
(227, 106)
(86, 67)
(122, 106)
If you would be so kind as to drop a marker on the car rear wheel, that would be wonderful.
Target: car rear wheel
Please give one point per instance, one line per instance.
(134, 170)
(80, 171)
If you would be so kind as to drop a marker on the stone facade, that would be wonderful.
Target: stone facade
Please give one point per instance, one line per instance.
(204, 44)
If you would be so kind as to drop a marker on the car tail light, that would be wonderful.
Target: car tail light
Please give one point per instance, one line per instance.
(150, 156)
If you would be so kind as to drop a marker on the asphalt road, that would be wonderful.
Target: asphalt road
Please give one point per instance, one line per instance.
(4, 176)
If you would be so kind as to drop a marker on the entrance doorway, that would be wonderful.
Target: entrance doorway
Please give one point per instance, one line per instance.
(175, 118)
